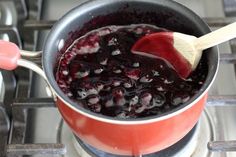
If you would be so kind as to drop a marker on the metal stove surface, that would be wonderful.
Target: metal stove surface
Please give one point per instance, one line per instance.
(46, 122)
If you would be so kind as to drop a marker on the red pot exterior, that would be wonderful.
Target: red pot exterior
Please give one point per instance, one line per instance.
(132, 139)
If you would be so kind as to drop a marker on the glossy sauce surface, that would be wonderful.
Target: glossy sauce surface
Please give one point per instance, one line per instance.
(100, 73)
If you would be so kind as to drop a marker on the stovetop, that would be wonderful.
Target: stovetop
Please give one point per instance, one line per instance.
(36, 127)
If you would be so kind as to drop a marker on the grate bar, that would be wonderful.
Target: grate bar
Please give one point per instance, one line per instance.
(33, 149)
(4, 129)
(34, 103)
(12, 32)
(221, 100)
(219, 21)
(44, 24)
(38, 25)
(228, 58)
(222, 146)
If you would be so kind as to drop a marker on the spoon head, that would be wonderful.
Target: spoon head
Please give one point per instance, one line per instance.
(176, 49)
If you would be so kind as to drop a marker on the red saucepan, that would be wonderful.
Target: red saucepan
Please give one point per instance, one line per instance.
(124, 137)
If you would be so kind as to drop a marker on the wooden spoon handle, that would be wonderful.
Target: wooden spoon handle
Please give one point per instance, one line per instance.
(216, 37)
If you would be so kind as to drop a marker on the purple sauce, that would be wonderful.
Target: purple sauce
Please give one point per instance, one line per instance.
(100, 73)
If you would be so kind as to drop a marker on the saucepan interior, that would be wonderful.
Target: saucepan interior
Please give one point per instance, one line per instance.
(99, 13)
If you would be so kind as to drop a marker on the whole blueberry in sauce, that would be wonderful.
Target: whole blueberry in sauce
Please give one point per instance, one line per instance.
(100, 73)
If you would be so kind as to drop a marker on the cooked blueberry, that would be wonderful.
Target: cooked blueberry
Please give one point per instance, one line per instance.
(107, 88)
(109, 103)
(98, 71)
(81, 94)
(104, 62)
(122, 115)
(91, 91)
(140, 108)
(160, 88)
(145, 98)
(65, 72)
(155, 73)
(96, 107)
(99, 86)
(69, 94)
(158, 100)
(133, 73)
(128, 84)
(185, 98)
(117, 70)
(120, 101)
(184, 86)
(134, 100)
(118, 92)
(112, 41)
(146, 79)
(116, 83)
(176, 101)
(200, 82)
(179, 98)
(167, 81)
(136, 64)
(93, 99)
(115, 52)
(81, 74)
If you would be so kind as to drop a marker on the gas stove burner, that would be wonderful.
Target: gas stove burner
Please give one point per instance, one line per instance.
(170, 151)
(190, 145)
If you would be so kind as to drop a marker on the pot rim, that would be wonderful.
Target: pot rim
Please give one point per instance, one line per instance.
(150, 119)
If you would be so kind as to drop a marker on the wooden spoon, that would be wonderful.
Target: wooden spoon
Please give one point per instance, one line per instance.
(181, 51)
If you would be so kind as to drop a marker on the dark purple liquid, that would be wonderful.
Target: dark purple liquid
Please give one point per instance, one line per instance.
(99, 72)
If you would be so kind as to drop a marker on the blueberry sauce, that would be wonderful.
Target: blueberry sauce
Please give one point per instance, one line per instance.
(99, 72)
